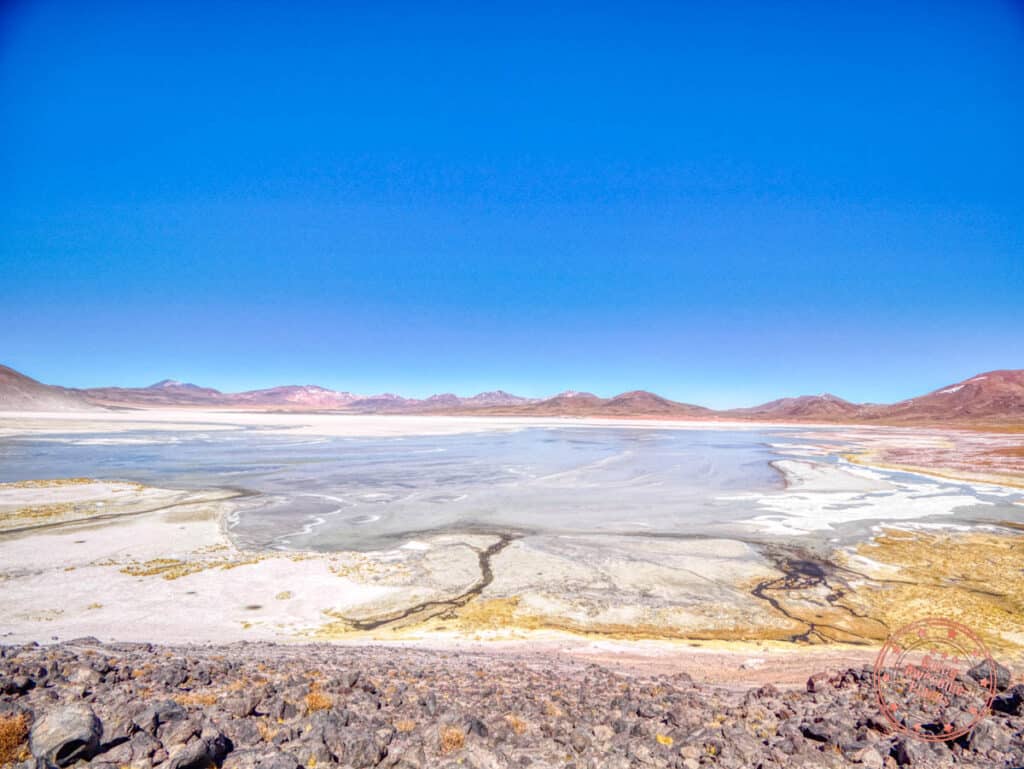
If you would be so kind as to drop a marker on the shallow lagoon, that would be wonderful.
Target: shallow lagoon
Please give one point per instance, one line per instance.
(343, 493)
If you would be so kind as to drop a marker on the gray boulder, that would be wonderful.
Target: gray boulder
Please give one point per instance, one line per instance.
(158, 714)
(243, 759)
(192, 756)
(278, 760)
(1011, 702)
(983, 671)
(208, 751)
(916, 753)
(987, 735)
(65, 735)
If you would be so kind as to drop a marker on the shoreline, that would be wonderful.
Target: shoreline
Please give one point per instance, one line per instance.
(129, 413)
(868, 460)
(214, 563)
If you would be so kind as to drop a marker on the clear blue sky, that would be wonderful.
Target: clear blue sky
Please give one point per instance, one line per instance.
(720, 202)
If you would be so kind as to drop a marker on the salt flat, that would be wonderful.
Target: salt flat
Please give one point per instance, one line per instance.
(216, 526)
(314, 424)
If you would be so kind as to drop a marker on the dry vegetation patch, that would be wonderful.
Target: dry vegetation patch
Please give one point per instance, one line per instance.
(196, 698)
(452, 739)
(48, 483)
(317, 699)
(972, 578)
(267, 733)
(13, 738)
(516, 724)
(174, 568)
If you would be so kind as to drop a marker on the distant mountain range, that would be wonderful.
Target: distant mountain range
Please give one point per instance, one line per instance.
(995, 398)
(21, 393)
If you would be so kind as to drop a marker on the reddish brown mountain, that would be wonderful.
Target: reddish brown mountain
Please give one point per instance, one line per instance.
(643, 403)
(568, 403)
(387, 403)
(21, 393)
(442, 401)
(174, 386)
(295, 396)
(164, 394)
(638, 403)
(445, 403)
(495, 398)
(170, 393)
(995, 397)
(825, 407)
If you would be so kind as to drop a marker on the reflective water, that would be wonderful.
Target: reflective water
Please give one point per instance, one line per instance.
(363, 493)
(330, 493)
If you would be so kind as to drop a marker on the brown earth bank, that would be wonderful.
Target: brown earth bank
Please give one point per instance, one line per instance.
(247, 705)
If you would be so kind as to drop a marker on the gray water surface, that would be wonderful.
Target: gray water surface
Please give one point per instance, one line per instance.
(365, 493)
(343, 493)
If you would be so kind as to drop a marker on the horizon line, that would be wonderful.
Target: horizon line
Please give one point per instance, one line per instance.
(396, 392)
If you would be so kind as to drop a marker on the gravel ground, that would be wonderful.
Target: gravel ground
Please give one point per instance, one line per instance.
(283, 706)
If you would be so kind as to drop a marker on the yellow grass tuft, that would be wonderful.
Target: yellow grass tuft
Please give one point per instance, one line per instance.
(552, 709)
(47, 483)
(13, 739)
(405, 725)
(35, 513)
(517, 724)
(175, 568)
(266, 733)
(196, 698)
(452, 739)
(317, 700)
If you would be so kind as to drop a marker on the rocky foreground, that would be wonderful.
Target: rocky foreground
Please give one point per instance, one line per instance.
(282, 707)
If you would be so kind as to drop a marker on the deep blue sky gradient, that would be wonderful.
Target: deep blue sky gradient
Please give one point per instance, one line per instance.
(721, 202)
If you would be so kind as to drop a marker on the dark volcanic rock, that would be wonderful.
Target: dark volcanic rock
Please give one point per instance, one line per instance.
(988, 735)
(192, 756)
(65, 735)
(159, 714)
(917, 753)
(982, 671)
(16, 685)
(262, 706)
(1011, 702)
